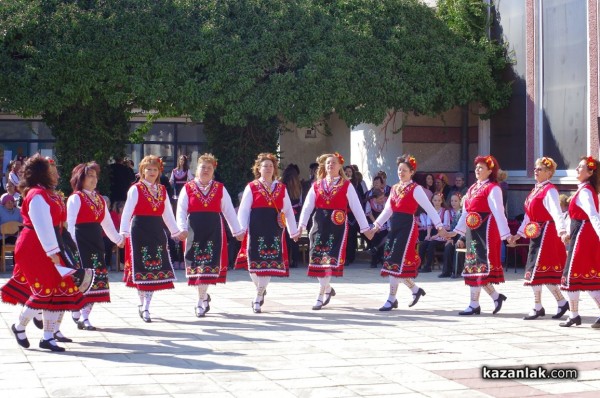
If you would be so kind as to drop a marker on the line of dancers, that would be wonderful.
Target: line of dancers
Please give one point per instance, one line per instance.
(46, 247)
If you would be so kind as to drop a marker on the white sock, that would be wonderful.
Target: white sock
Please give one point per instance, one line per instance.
(202, 296)
(475, 292)
(50, 321)
(263, 282)
(25, 316)
(394, 283)
(148, 299)
(254, 278)
(574, 299)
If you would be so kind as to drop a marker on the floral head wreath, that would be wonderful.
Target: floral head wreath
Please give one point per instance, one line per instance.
(489, 162)
(546, 162)
(591, 163)
(50, 160)
(161, 165)
(412, 161)
(340, 157)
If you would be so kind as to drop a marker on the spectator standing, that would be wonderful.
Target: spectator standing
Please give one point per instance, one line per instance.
(121, 178)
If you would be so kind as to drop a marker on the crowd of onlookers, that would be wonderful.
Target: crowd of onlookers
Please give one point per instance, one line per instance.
(446, 199)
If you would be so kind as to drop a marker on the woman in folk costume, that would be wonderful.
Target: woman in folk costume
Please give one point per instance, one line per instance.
(330, 196)
(38, 251)
(199, 207)
(264, 212)
(400, 259)
(148, 266)
(87, 218)
(583, 257)
(483, 223)
(543, 225)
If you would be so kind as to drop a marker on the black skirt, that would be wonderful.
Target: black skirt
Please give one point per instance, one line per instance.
(150, 251)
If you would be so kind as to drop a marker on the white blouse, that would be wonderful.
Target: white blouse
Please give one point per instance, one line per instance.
(421, 198)
(585, 200)
(130, 204)
(226, 208)
(246, 206)
(353, 203)
(73, 206)
(39, 214)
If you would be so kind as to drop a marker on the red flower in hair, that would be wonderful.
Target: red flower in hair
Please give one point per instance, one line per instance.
(546, 162)
(489, 162)
(591, 163)
(413, 162)
(50, 160)
(340, 157)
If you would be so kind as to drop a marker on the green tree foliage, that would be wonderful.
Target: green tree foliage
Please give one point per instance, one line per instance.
(242, 63)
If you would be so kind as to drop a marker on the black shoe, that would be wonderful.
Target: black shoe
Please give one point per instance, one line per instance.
(328, 297)
(318, 305)
(537, 314)
(570, 322)
(561, 311)
(22, 342)
(473, 311)
(254, 309)
(38, 323)
(200, 312)
(596, 325)
(208, 299)
(140, 311)
(262, 300)
(417, 296)
(425, 270)
(75, 319)
(146, 316)
(393, 305)
(453, 276)
(47, 345)
(62, 339)
(444, 275)
(501, 298)
(81, 326)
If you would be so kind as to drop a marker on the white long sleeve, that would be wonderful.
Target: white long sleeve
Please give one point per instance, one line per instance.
(169, 218)
(551, 202)
(290, 219)
(182, 210)
(307, 208)
(73, 207)
(39, 214)
(109, 227)
(586, 202)
(243, 214)
(229, 213)
(357, 210)
(385, 214)
(130, 203)
(497, 207)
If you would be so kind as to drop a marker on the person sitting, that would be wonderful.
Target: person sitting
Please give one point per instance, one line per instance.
(386, 188)
(459, 186)
(454, 214)
(9, 212)
(564, 208)
(432, 242)
(374, 207)
(441, 185)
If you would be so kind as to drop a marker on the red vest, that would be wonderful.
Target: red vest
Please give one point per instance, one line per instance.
(197, 201)
(534, 204)
(58, 210)
(90, 210)
(576, 212)
(262, 198)
(404, 201)
(335, 198)
(477, 199)
(147, 204)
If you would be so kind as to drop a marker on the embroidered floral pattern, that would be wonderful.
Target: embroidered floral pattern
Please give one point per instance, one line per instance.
(328, 192)
(155, 201)
(270, 197)
(471, 265)
(266, 252)
(101, 275)
(205, 199)
(149, 263)
(320, 254)
(95, 204)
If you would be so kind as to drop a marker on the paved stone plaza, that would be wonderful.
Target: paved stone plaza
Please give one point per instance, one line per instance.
(347, 349)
